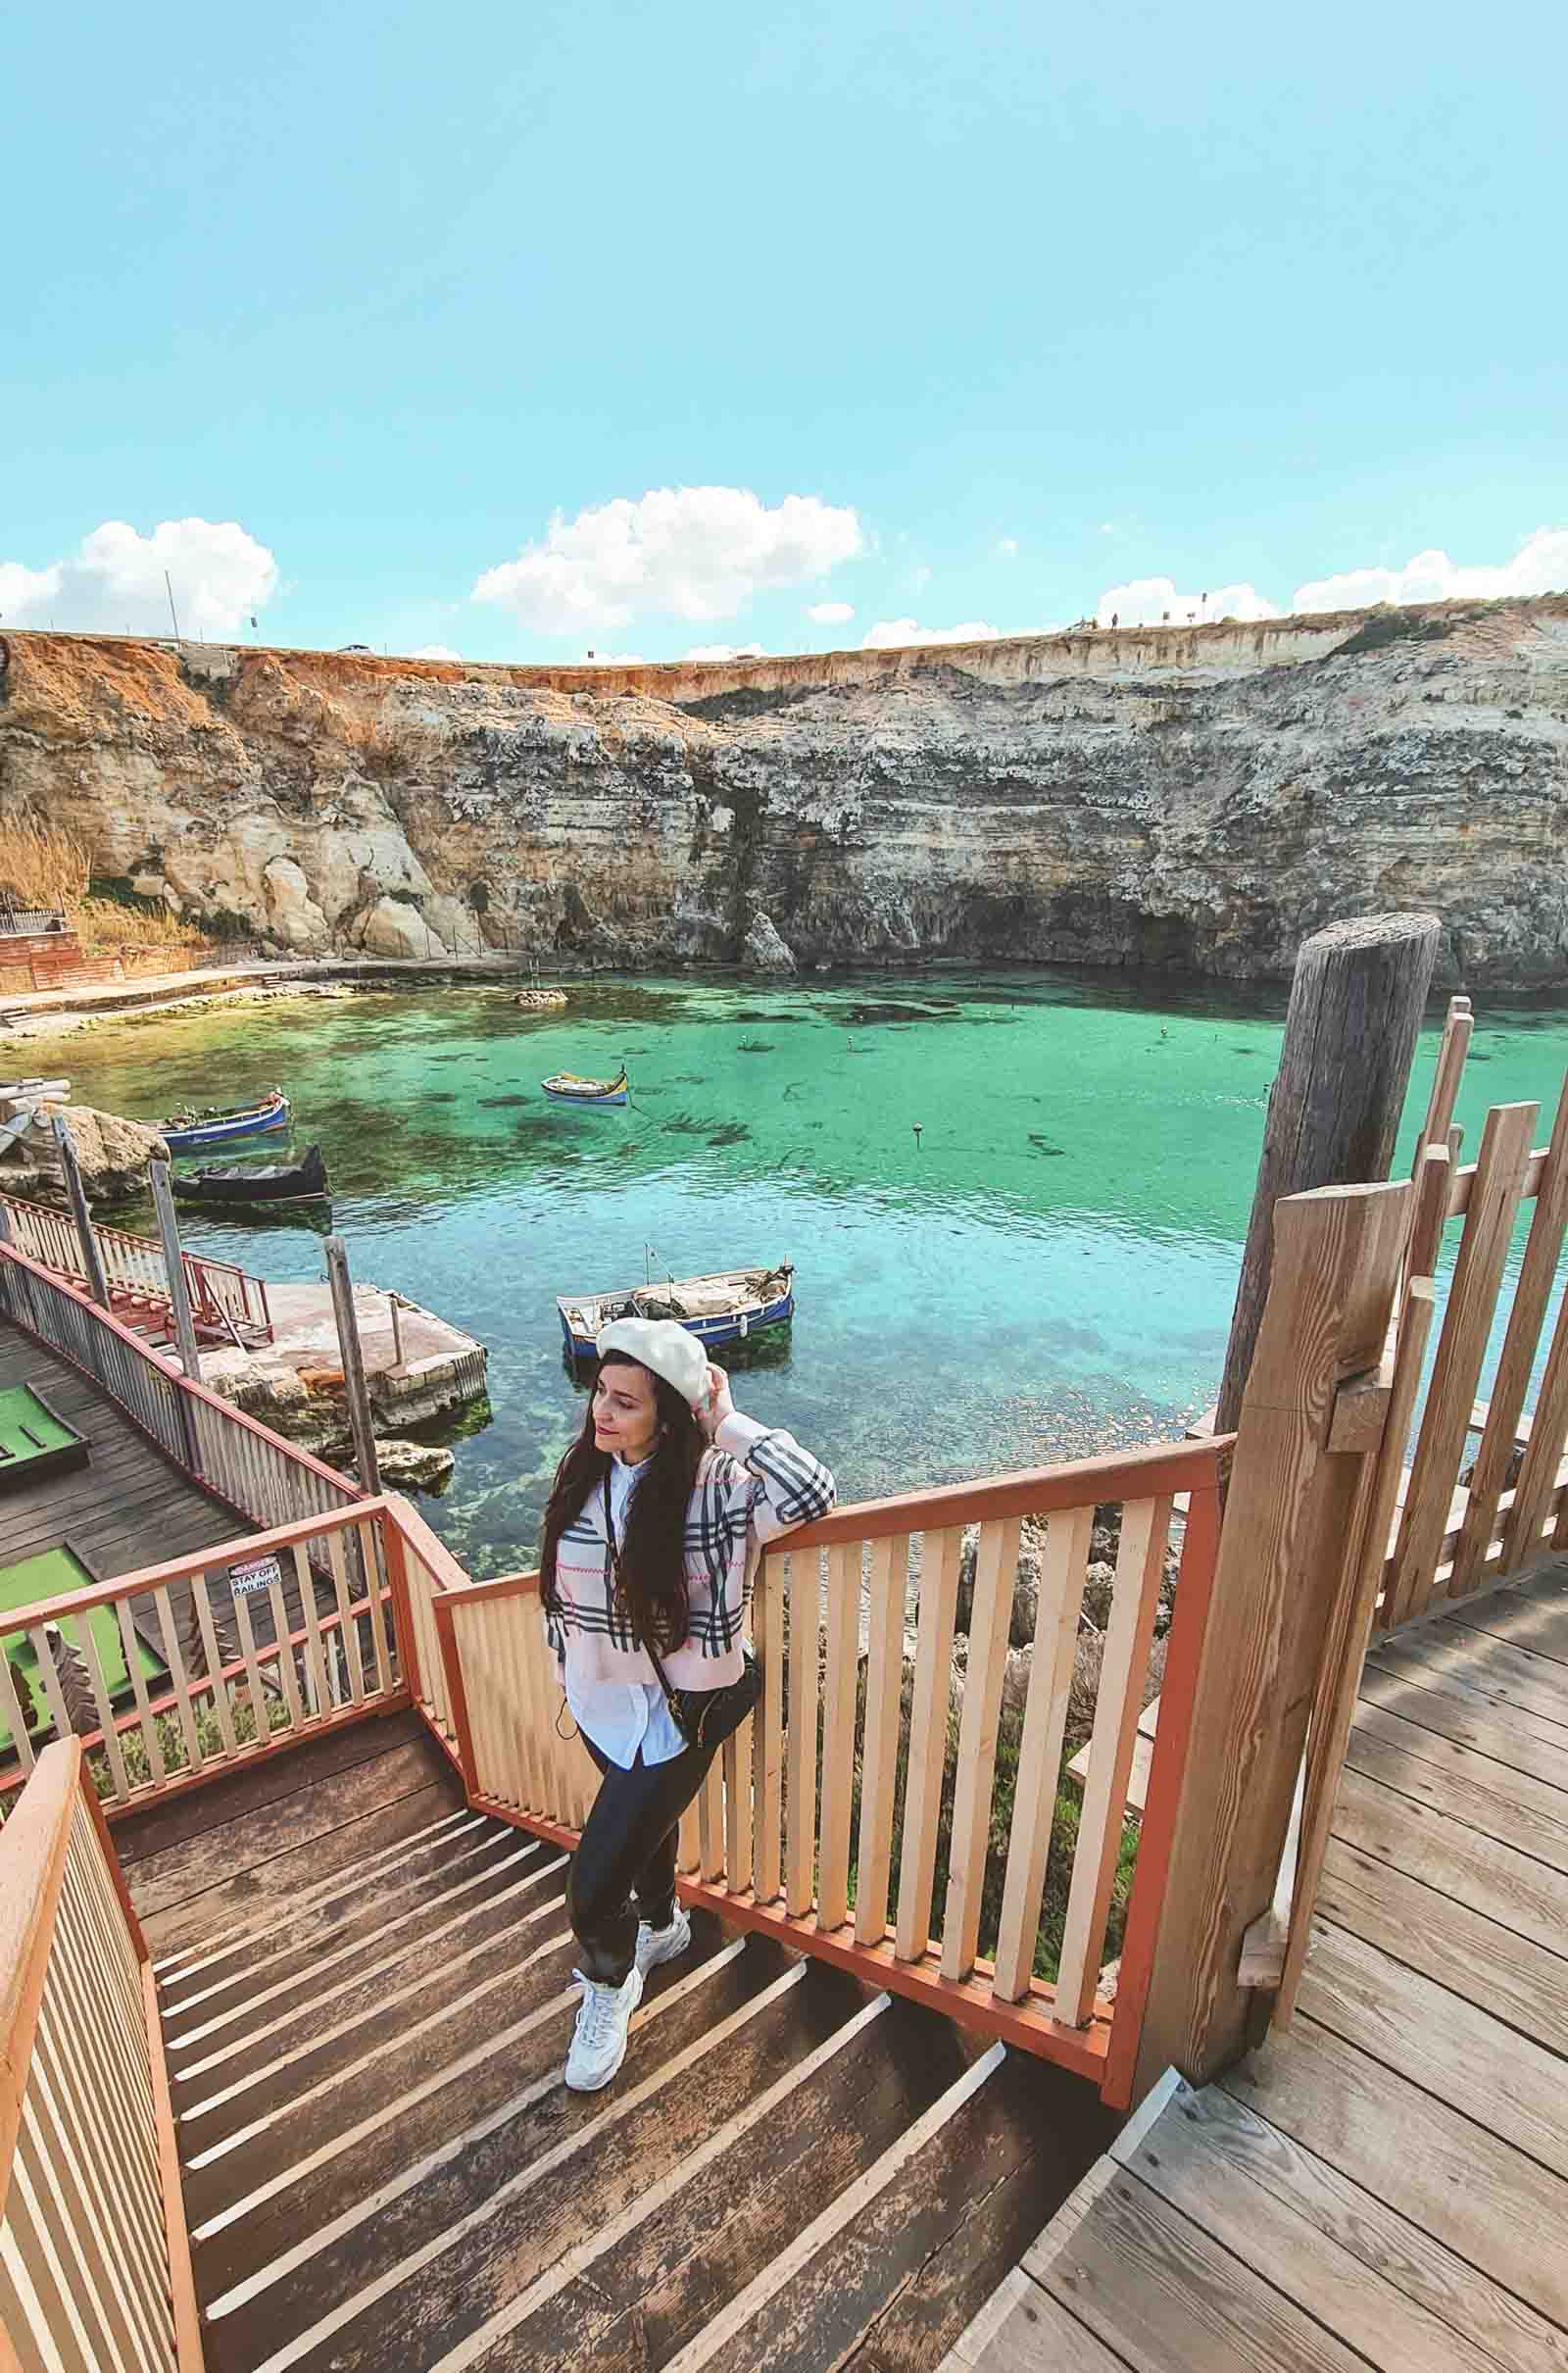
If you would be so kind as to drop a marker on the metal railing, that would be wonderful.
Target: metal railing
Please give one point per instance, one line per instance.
(30, 922)
(226, 1299)
(233, 1457)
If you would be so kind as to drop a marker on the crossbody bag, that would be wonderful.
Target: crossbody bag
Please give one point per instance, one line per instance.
(705, 1717)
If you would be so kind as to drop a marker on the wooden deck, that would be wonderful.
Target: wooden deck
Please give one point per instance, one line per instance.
(1386, 2184)
(129, 1507)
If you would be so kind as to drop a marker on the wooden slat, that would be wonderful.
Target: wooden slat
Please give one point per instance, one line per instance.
(1452, 1053)
(1461, 1350)
(374, 1583)
(106, 1720)
(44, 1665)
(839, 1677)
(1533, 1292)
(804, 1613)
(1534, 1493)
(688, 1841)
(145, 1721)
(350, 1634)
(1340, 1676)
(315, 1663)
(884, 1677)
(711, 1823)
(767, 1736)
(215, 1659)
(996, 1568)
(11, 1713)
(1034, 1804)
(288, 1678)
(253, 1671)
(928, 1739)
(1135, 1603)
(168, 1631)
(736, 1758)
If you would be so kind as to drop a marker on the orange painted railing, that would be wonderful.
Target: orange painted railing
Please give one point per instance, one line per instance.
(224, 1298)
(775, 1840)
(95, 2264)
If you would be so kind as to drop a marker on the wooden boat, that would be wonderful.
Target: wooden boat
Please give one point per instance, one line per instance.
(727, 1306)
(566, 1087)
(191, 1132)
(270, 1182)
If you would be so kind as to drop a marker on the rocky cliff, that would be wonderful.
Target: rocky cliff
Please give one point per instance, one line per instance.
(1200, 797)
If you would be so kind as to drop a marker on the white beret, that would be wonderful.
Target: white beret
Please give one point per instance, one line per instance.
(665, 1346)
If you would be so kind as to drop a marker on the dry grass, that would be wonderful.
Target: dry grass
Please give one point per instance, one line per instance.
(40, 866)
(43, 867)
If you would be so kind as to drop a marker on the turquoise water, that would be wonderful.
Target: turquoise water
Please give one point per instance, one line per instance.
(1015, 1200)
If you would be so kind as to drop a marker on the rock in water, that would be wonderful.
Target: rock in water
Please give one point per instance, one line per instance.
(762, 950)
(418, 1462)
(112, 1154)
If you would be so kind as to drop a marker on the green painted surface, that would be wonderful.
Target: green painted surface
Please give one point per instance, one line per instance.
(54, 1573)
(28, 1428)
(1045, 1271)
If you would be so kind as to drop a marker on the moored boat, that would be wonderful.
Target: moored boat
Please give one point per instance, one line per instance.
(303, 1181)
(190, 1132)
(726, 1307)
(566, 1087)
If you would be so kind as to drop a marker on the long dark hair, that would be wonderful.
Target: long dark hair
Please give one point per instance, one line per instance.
(652, 1565)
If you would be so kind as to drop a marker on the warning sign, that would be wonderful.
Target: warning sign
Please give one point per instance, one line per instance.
(254, 1574)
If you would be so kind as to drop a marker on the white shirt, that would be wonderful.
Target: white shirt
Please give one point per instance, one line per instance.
(621, 1716)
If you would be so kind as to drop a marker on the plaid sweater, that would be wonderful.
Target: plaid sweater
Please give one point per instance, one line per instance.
(754, 1483)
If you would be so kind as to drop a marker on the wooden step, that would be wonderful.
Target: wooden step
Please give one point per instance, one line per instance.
(320, 2227)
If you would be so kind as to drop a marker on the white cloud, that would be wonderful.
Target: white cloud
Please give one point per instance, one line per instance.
(1540, 566)
(692, 552)
(1007, 547)
(435, 651)
(725, 651)
(609, 659)
(1150, 601)
(831, 613)
(896, 633)
(116, 580)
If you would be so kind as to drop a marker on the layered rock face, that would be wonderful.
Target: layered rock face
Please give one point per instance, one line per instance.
(1198, 797)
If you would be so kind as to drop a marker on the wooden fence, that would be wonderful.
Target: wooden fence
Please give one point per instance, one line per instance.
(852, 1743)
(225, 1301)
(183, 1671)
(262, 1477)
(95, 2257)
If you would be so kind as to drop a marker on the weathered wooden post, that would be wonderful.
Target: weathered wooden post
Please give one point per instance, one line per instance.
(1294, 1518)
(1355, 1007)
(354, 1385)
(175, 1264)
(92, 1268)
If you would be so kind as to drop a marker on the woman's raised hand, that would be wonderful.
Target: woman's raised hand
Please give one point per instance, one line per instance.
(712, 1413)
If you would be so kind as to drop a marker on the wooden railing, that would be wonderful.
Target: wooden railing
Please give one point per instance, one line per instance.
(853, 1744)
(183, 1671)
(224, 1298)
(95, 2266)
(1448, 1538)
(263, 1477)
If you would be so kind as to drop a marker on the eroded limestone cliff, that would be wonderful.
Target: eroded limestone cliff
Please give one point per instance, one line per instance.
(1200, 797)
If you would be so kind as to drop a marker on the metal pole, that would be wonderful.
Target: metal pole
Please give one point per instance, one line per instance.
(174, 1263)
(93, 1266)
(354, 1385)
(395, 1301)
(173, 613)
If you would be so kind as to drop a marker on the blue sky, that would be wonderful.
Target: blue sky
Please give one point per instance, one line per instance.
(941, 319)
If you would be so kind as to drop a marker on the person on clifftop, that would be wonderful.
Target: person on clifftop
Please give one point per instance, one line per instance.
(651, 1535)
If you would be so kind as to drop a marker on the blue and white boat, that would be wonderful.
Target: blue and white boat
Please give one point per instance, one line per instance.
(190, 1132)
(728, 1306)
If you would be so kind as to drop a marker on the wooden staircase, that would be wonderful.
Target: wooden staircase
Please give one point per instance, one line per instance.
(366, 2029)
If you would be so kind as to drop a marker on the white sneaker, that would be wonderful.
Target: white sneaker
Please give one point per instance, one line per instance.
(656, 1945)
(598, 2042)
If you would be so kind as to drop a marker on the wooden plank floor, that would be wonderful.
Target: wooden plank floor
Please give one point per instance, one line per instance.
(129, 1507)
(1386, 2184)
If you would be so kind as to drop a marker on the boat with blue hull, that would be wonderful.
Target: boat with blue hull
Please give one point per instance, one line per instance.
(193, 1132)
(729, 1306)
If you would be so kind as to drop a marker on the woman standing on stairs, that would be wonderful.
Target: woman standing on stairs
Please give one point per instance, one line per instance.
(651, 1540)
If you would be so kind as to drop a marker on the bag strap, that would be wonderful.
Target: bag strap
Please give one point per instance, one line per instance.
(647, 1646)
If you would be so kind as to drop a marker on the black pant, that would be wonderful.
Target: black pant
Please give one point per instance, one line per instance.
(625, 1866)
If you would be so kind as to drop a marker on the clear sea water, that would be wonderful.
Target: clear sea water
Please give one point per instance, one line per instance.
(1015, 1200)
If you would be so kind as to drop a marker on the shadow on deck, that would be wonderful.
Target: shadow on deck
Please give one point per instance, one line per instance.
(367, 1992)
(1385, 2183)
